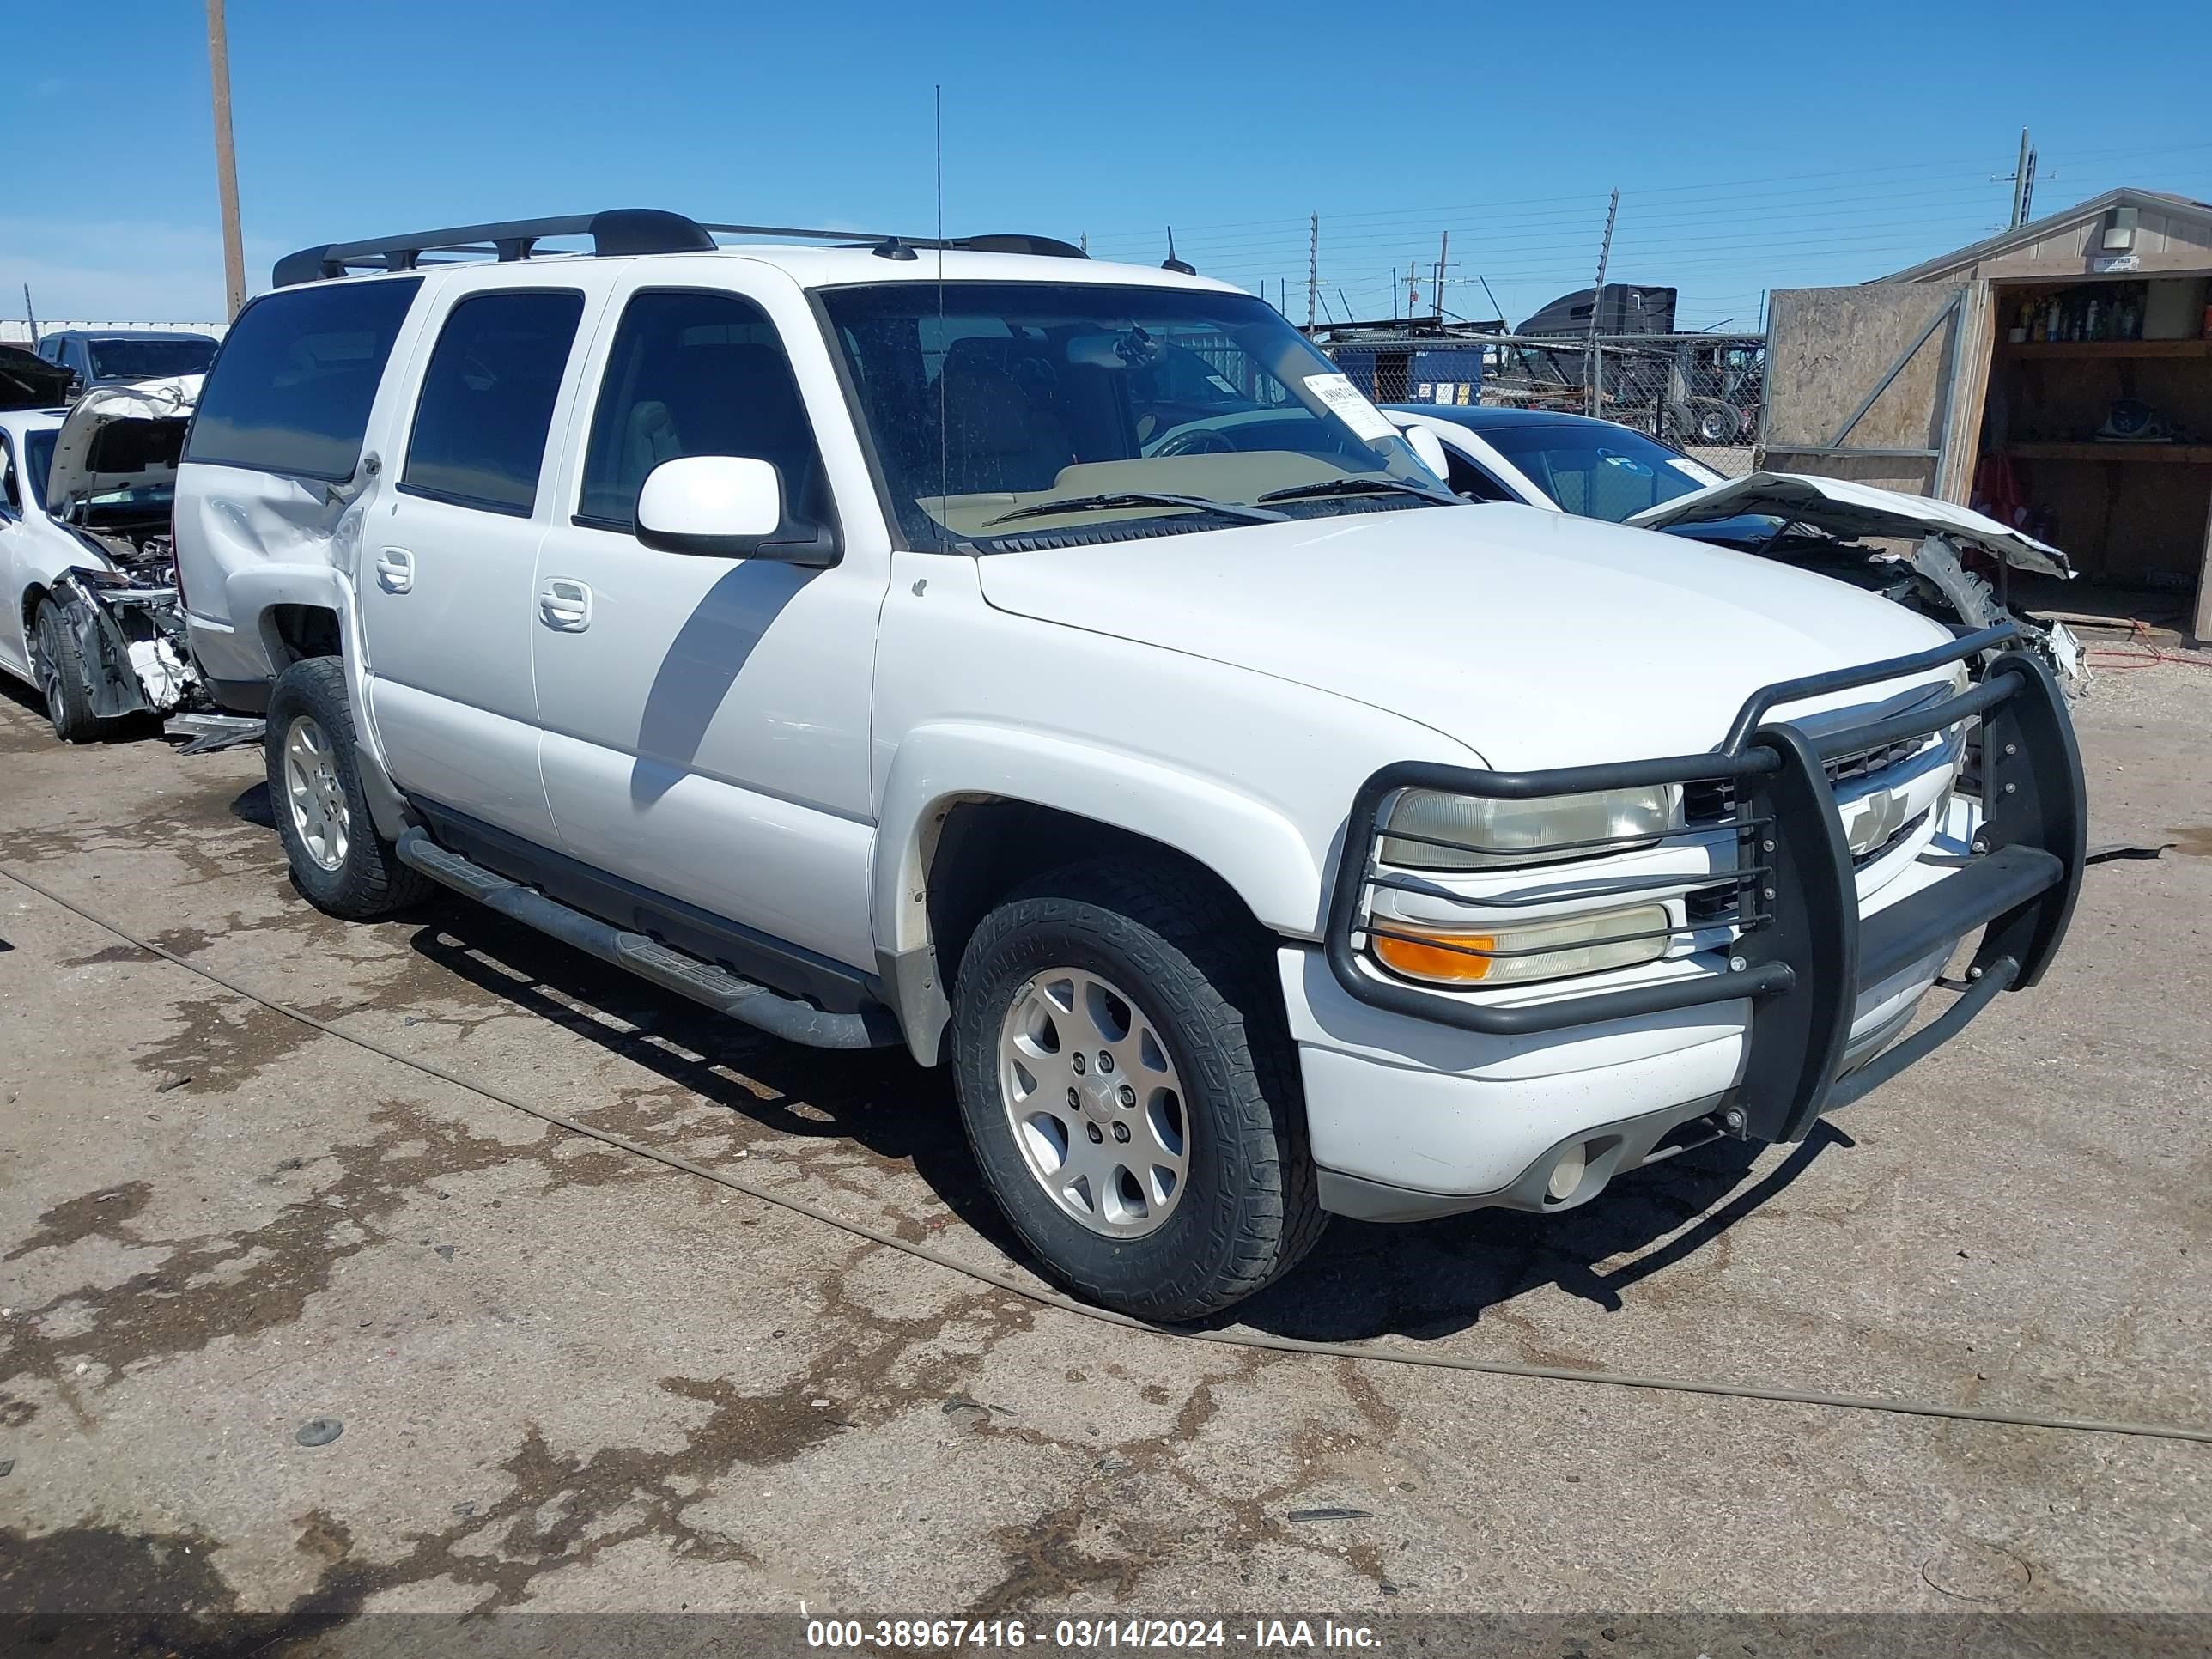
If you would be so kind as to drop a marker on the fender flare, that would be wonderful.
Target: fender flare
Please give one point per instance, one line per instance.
(255, 593)
(1251, 847)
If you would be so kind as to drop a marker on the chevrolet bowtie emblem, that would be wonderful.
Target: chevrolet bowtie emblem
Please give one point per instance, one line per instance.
(1873, 819)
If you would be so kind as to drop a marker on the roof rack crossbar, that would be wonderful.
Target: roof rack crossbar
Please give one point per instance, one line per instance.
(1005, 242)
(618, 231)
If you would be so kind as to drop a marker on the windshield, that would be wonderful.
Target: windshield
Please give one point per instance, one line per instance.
(149, 360)
(990, 400)
(1599, 472)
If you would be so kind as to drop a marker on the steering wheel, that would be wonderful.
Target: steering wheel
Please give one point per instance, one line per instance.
(1197, 441)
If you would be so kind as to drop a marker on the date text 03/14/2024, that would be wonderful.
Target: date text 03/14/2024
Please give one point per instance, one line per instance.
(1085, 1635)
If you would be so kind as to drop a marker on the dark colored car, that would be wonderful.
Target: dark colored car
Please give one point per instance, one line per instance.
(29, 381)
(106, 357)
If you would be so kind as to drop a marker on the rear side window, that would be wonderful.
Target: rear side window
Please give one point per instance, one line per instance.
(291, 389)
(1473, 481)
(696, 374)
(479, 437)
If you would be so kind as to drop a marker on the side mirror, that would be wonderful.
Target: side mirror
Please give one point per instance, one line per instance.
(725, 506)
(1425, 443)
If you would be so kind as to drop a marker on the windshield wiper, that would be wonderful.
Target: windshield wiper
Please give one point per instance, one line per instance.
(1139, 498)
(1314, 492)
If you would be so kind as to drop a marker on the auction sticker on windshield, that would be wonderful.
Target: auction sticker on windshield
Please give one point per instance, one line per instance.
(1349, 405)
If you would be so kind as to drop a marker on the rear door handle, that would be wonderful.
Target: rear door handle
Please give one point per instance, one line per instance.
(565, 605)
(395, 570)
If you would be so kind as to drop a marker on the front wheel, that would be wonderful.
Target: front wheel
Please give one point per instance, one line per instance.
(1130, 1091)
(339, 862)
(57, 657)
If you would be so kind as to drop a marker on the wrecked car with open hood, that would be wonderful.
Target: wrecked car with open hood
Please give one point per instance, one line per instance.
(91, 615)
(1944, 561)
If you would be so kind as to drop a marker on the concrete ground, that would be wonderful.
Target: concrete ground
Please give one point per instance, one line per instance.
(572, 1380)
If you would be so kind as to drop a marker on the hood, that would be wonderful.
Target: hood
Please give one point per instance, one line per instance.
(1842, 508)
(122, 437)
(29, 381)
(1535, 638)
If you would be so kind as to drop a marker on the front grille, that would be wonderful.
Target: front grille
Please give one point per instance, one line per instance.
(1848, 768)
(1713, 801)
(1860, 860)
(1711, 907)
(1708, 801)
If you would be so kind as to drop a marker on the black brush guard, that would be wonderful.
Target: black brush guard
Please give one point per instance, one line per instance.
(1804, 954)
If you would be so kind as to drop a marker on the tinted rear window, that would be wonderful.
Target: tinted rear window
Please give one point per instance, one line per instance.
(291, 390)
(487, 396)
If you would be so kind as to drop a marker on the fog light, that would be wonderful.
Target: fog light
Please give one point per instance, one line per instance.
(1567, 1173)
(1555, 949)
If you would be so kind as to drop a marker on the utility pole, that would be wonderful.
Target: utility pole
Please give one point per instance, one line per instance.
(1313, 268)
(1444, 256)
(226, 162)
(1593, 386)
(2023, 182)
(30, 316)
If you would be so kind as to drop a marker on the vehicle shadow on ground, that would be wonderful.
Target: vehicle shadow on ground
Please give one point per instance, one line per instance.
(878, 1100)
(1425, 1280)
(1429, 1280)
(254, 806)
(126, 728)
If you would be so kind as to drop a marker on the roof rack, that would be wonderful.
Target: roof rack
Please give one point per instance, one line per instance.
(619, 231)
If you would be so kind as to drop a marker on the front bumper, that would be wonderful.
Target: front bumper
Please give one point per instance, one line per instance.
(1792, 1018)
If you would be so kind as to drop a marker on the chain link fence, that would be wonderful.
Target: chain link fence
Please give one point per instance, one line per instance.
(1705, 393)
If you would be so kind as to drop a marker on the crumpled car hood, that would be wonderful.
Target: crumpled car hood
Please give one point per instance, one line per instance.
(1843, 508)
(122, 437)
(1535, 638)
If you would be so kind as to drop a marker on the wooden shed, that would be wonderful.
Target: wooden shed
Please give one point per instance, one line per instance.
(2059, 373)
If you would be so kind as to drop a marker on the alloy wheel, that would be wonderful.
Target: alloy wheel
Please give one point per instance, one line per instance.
(1095, 1102)
(320, 815)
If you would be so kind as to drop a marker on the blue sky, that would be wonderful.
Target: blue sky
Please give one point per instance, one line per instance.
(1755, 147)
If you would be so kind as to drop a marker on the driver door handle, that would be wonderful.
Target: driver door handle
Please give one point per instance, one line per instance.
(565, 605)
(395, 570)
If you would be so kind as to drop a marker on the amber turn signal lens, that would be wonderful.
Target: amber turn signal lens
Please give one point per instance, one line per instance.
(1557, 948)
(1436, 959)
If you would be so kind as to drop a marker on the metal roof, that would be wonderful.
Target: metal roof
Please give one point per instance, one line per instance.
(2036, 229)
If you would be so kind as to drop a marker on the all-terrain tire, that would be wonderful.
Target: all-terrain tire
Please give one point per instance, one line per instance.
(369, 880)
(1249, 1211)
(58, 661)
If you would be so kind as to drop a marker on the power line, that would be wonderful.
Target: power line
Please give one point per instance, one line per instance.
(1637, 192)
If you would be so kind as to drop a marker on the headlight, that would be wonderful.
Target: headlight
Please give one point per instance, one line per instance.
(1485, 832)
(1587, 944)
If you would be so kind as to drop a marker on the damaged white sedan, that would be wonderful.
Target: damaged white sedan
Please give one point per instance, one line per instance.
(1916, 550)
(87, 566)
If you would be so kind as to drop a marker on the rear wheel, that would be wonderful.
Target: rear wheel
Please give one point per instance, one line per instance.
(58, 661)
(1130, 1091)
(1716, 423)
(338, 860)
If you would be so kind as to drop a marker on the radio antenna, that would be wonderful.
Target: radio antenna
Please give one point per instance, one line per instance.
(943, 462)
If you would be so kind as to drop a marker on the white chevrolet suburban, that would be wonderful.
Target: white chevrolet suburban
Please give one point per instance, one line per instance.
(1059, 669)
